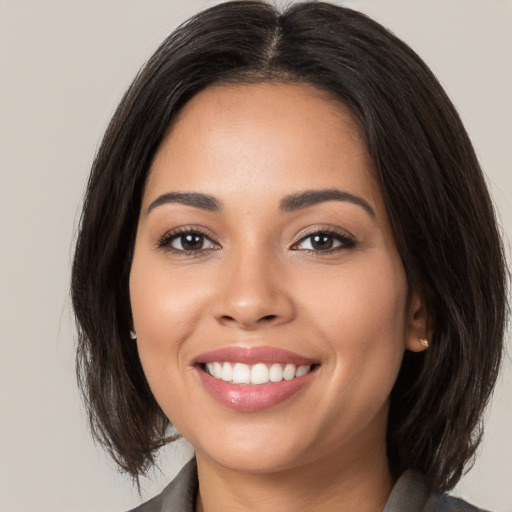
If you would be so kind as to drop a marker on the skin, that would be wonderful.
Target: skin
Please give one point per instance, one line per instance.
(259, 283)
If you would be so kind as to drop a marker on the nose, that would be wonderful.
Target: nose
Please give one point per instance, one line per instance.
(253, 293)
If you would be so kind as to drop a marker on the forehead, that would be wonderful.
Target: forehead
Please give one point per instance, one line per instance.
(267, 138)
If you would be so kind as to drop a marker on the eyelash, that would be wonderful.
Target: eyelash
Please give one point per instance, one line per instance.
(345, 240)
(166, 241)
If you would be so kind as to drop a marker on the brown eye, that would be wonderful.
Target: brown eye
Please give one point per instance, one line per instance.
(190, 242)
(322, 242)
(325, 242)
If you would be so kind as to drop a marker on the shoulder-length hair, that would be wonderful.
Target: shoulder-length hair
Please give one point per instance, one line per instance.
(437, 201)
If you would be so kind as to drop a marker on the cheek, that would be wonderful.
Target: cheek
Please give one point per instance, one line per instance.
(361, 314)
(358, 299)
(376, 309)
(166, 310)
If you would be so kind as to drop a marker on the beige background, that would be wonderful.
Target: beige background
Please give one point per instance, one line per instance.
(64, 67)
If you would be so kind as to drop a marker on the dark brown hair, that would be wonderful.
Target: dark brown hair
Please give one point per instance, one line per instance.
(433, 188)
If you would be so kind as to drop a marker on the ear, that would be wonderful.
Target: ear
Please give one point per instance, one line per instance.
(418, 333)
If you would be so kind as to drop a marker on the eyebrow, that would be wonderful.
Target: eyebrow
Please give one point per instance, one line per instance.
(289, 203)
(195, 199)
(309, 198)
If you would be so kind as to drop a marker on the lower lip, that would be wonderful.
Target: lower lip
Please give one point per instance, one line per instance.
(250, 398)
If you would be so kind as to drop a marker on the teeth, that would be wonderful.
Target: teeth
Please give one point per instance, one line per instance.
(217, 370)
(302, 370)
(289, 372)
(275, 374)
(227, 372)
(260, 373)
(241, 374)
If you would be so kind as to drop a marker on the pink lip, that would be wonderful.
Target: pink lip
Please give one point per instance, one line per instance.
(252, 355)
(252, 397)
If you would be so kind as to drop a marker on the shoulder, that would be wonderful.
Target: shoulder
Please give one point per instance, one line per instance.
(410, 494)
(178, 496)
(446, 503)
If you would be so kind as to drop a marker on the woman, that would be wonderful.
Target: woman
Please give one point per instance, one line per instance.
(288, 253)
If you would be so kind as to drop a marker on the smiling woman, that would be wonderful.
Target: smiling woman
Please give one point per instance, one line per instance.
(278, 225)
(249, 287)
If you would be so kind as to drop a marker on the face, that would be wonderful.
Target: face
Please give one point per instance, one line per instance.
(270, 303)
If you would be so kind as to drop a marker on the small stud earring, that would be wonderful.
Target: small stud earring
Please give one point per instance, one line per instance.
(133, 335)
(424, 342)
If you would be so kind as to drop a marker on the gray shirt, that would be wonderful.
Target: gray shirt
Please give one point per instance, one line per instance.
(409, 494)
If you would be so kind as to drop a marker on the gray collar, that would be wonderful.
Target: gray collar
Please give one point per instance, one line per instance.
(178, 496)
(410, 494)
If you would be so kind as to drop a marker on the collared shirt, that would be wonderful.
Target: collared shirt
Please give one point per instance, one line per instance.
(410, 494)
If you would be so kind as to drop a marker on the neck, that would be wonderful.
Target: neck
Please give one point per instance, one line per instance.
(327, 484)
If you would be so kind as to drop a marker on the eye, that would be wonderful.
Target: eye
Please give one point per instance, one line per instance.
(325, 241)
(187, 242)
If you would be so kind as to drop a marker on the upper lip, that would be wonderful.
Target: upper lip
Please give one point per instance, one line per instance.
(253, 355)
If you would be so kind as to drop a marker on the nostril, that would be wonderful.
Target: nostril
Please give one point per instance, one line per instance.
(266, 318)
(263, 319)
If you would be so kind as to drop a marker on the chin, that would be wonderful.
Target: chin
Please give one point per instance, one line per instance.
(258, 448)
(252, 460)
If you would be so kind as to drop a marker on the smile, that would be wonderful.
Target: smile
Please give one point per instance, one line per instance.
(259, 373)
(253, 379)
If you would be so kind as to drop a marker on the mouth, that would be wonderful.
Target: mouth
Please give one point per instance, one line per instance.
(252, 379)
(255, 374)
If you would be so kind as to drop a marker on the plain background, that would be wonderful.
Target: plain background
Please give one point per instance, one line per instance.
(64, 67)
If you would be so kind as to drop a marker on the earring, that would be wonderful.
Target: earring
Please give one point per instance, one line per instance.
(133, 335)
(424, 342)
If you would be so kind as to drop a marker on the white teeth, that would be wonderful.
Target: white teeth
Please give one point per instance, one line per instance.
(302, 370)
(227, 372)
(289, 372)
(241, 374)
(275, 373)
(217, 371)
(260, 373)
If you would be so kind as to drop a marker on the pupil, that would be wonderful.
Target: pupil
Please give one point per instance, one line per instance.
(191, 242)
(320, 242)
